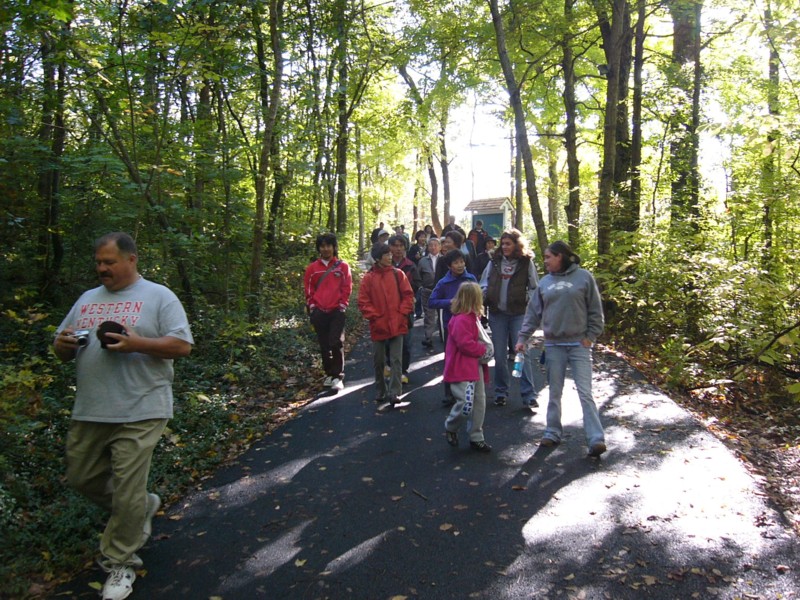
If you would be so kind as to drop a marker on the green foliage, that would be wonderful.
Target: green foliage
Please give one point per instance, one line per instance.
(661, 287)
(238, 375)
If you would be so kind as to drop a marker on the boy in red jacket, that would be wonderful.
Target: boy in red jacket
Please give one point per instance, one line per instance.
(327, 284)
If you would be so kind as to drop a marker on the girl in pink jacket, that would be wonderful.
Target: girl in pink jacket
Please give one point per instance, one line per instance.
(463, 368)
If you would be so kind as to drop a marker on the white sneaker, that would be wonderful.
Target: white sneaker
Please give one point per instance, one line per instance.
(119, 584)
(153, 504)
(337, 384)
(328, 381)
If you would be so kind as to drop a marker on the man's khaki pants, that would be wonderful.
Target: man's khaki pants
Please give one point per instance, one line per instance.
(109, 463)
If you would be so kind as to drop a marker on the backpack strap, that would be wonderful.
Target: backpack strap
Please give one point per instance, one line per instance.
(327, 271)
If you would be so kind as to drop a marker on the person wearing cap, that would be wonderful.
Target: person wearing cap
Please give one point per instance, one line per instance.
(327, 284)
(381, 236)
(123, 398)
(386, 299)
(373, 238)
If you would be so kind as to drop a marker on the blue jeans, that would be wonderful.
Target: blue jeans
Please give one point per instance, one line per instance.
(579, 360)
(506, 327)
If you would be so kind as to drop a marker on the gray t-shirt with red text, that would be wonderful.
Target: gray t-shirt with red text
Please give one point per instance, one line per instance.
(115, 387)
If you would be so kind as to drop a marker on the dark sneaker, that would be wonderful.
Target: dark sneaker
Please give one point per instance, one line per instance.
(394, 400)
(530, 403)
(500, 401)
(448, 401)
(119, 584)
(547, 443)
(427, 343)
(452, 438)
(481, 446)
(597, 449)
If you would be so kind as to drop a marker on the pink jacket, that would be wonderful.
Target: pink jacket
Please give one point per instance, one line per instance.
(463, 350)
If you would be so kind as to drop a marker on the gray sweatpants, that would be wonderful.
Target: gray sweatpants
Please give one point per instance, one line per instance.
(430, 314)
(466, 392)
(395, 362)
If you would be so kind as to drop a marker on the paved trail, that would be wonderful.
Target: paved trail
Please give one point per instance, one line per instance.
(347, 502)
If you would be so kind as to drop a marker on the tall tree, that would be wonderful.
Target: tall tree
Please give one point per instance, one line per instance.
(769, 167)
(573, 206)
(520, 124)
(270, 95)
(614, 41)
(685, 119)
(52, 135)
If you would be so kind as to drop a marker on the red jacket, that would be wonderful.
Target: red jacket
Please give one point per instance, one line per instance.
(384, 305)
(463, 350)
(334, 291)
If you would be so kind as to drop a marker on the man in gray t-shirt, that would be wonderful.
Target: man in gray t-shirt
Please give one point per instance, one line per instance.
(123, 399)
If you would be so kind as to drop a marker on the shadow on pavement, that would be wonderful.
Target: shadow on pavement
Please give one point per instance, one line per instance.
(347, 502)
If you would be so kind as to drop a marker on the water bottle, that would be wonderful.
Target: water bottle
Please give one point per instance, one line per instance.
(519, 362)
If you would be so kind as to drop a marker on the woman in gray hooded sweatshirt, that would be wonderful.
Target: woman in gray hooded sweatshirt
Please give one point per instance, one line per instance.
(567, 305)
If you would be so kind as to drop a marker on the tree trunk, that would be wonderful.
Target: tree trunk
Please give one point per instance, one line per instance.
(276, 204)
(613, 47)
(416, 96)
(342, 132)
(444, 165)
(519, 125)
(573, 207)
(51, 136)
(435, 220)
(769, 175)
(684, 122)
(362, 233)
(552, 185)
(518, 205)
(636, 138)
(270, 102)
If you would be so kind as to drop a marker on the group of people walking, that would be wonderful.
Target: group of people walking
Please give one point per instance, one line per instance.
(435, 278)
(125, 334)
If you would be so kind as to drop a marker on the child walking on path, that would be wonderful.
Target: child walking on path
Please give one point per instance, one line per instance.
(385, 298)
(463, 367)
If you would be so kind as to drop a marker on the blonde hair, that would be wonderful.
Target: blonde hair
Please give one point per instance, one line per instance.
(468, 299)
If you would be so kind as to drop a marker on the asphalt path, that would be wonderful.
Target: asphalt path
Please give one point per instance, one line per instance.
(346, 501)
